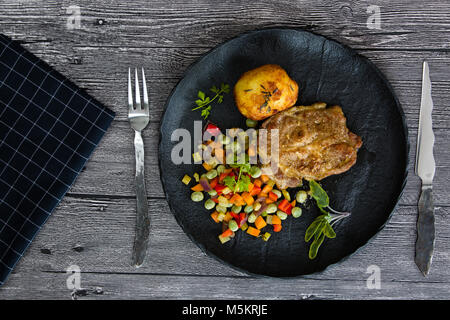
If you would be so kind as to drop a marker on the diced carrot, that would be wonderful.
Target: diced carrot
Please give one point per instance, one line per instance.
(197, 187)
(253, 231)
(264, 178)
(250, 187)
(260, 223)
(257, 182)
(293, 203)
(285, 206)
(276, 219)
(255, 191)
(277, 227)
(206, 166)
(269, 201)
(248, 198)
(273, 196)
(227, 233)
(267, 188)
(234, 198)
(214, 215)
(213, 182)
(237, 200)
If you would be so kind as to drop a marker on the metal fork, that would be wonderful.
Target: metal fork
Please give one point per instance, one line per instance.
(138, 116)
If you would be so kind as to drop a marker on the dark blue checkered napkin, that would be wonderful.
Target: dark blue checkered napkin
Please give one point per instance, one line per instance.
(48, 130)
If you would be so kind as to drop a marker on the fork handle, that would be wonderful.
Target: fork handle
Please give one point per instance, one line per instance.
(142, 219)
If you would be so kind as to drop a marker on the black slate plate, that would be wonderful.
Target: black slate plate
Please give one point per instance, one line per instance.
(325, 71)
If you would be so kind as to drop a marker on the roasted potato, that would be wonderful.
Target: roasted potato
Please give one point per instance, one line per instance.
(264, 91)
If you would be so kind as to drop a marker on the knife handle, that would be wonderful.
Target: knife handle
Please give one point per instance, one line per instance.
(142, 219)
(425, 230)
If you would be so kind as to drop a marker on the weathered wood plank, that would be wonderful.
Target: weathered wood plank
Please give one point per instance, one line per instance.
(205, 23)
(135, 286)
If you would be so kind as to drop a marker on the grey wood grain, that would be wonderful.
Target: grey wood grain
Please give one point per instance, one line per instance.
(93, 227)
(204, 23)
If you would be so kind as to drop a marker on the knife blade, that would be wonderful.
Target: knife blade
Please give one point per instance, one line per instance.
(425, 168)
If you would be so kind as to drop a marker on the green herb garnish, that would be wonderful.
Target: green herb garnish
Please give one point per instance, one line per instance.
(242, 182)
(204, 102)
(322, 226)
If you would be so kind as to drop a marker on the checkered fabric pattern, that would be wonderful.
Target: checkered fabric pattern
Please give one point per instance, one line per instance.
(48, 129)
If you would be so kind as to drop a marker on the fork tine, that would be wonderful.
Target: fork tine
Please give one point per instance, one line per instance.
(144, 92)
(138, 95)
(130, 92)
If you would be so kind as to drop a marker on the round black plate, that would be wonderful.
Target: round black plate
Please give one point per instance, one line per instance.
(325, 71)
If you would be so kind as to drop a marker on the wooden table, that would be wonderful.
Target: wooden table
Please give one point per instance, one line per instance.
(93, 227)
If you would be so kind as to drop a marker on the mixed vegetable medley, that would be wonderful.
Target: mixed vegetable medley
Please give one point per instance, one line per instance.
(239, 196)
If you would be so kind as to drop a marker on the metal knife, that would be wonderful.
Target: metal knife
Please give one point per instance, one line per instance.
(425, 168)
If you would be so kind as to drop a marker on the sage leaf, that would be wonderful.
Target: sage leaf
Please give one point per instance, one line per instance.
(312, 229)
(328, 231)
(319, 194)
(315, 245)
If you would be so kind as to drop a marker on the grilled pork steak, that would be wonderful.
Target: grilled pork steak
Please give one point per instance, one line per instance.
(314, 143)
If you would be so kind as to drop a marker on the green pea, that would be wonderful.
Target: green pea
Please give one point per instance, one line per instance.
(271, 208)
(301, 196)
(251, 218)
(255, 172)
(197, 196)
(221, 209)
(233, 225)
(296, 212)
(211, 174)
(251, 123)
(282, 215)
(248, 209)
(257, 206)
(209, 204)
(236, 209)
(212, 193)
